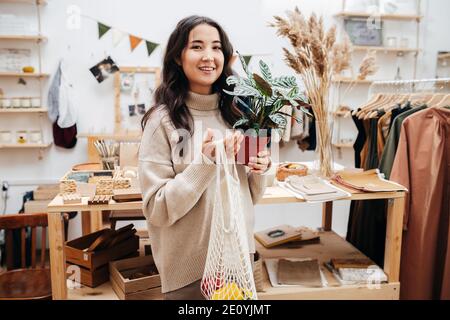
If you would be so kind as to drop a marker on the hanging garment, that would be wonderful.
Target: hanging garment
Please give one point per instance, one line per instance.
(422, 164)
(398, 111)
(309, 142)
(360, 140)
(286, 137)
(61, 99)
(387, 159)
(372, 154)
(299, 131)
(383, 132)
(53, 96)
(365, 149)
(368, 217)
(62, 110)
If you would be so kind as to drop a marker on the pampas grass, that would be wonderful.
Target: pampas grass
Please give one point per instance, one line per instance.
(315, 56)
(368, 66)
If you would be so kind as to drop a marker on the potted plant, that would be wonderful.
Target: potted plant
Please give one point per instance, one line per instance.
(260, 101)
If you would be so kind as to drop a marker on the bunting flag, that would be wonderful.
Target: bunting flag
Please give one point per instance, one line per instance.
(134, 42)
(102, 29)
(151, 46)
(247, 59)
(117, 37)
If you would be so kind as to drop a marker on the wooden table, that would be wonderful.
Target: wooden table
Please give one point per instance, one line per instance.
(331, 246)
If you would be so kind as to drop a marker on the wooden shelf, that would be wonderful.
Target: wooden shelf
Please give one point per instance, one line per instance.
(38, 2)
(343, 145)
(331, 246)
(351, 81)
(111, 136)
(385, 49)
(23, 110)
(23, 37)
(24, 75)
(102, 292)
(400, 17)
(25, 146)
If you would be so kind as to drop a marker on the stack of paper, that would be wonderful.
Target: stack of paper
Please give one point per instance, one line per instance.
(313, 189)
(356, 271)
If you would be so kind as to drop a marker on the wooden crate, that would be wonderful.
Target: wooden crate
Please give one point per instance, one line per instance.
(92, 278)
(76, 254)
(145, 288)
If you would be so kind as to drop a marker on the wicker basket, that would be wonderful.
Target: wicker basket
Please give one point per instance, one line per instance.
(291, 169)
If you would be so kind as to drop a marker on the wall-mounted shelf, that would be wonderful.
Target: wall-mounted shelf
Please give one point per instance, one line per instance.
(38, 2)
(351, 81)
(23, 110)
(384, 49)
(24, 75)
(401, 17)
(37, 38)
(444, 56)
(343, 145)
(25, 145)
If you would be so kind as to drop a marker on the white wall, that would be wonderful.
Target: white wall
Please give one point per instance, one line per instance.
(246, 24)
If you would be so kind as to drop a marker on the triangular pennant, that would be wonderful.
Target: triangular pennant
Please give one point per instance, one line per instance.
(151, 46)
(247, 59)
(134, 42)
(102, 29)
(117, 37)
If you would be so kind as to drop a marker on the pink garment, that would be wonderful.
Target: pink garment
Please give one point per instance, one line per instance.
(422, 165)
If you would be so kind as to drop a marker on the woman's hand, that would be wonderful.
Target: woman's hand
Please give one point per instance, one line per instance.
(232, 145)
(260, 164)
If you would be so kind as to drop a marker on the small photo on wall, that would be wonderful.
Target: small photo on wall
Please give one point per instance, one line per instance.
(104, 69)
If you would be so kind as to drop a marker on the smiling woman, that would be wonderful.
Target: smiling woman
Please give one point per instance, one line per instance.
(178, 186)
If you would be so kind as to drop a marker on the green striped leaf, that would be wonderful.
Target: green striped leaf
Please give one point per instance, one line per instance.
(265, 71)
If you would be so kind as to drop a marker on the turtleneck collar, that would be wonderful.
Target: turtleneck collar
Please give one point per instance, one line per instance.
(202, 102)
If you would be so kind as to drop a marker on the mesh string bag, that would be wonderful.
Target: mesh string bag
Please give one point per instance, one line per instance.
(228, 271)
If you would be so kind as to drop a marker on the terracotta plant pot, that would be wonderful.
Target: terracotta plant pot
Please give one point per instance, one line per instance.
(250, 147)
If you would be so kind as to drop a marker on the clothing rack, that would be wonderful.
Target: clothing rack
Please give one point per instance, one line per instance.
(410, 86)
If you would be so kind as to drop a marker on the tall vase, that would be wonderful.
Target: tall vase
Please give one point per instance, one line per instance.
(324, 148)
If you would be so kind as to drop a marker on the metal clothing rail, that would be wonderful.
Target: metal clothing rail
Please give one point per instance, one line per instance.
(409, 86)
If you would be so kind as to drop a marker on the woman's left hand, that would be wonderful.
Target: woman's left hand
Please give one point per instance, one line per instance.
(260, 164)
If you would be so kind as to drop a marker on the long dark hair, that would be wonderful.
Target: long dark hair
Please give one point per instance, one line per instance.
(174, 88)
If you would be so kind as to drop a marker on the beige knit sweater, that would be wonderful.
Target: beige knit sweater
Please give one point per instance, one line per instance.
(178, 192)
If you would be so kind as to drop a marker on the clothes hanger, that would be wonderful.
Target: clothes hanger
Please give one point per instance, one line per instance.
(437, 97)
(434, 99)
(396, 98)
(389, 101)
(399, 100)
(379, 98)
(384, 99)
(444, 102)
(375, 99)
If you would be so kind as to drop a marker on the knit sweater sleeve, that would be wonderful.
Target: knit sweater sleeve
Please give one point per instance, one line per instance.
(167, 196)
(258, 183)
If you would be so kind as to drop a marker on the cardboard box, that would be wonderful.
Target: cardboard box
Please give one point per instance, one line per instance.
(127, 287)
(46, 192)
(36, 206)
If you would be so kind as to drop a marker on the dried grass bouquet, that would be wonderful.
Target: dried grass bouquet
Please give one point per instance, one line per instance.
(315, 56)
